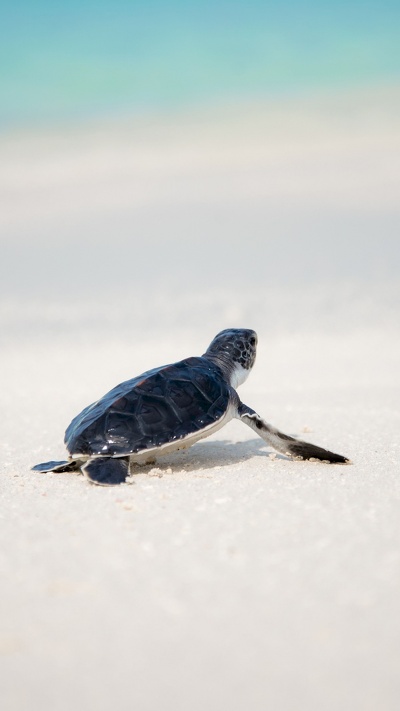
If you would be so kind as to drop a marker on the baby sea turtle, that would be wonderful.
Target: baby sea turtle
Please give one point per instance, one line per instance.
(170, 408)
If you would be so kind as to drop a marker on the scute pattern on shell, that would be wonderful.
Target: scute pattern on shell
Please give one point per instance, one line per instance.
(162, 405)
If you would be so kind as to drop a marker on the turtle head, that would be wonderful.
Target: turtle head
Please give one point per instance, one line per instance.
(234, 350)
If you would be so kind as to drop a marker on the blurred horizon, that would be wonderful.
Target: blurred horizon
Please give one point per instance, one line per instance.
(166, 164)
(62, 61)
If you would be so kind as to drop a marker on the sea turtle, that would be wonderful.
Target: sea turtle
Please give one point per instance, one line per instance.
(170, 408)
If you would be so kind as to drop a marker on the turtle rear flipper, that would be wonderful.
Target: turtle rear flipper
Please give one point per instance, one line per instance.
(70, 466)
(106, 471)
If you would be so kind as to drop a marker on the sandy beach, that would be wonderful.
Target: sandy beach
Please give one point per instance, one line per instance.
(224, 577)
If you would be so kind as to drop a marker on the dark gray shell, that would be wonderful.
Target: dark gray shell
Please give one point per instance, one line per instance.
(158, 407)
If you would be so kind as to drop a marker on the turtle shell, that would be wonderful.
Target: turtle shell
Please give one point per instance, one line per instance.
(158, 407)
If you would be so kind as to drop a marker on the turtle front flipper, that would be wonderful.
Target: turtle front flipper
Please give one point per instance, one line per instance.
(291, 446)
(70, 466)
(106, 471)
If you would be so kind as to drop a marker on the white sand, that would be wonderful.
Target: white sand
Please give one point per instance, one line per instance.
(223, 578)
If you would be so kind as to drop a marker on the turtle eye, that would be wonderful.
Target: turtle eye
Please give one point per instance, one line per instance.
(252, 341)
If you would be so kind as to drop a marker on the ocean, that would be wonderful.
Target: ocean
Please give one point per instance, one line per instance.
(168, 163)
(73, 60)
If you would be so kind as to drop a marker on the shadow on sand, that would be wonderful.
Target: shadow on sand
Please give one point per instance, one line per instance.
(206, 455)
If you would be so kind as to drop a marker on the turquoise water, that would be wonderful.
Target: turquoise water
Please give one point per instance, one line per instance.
(62, 60)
